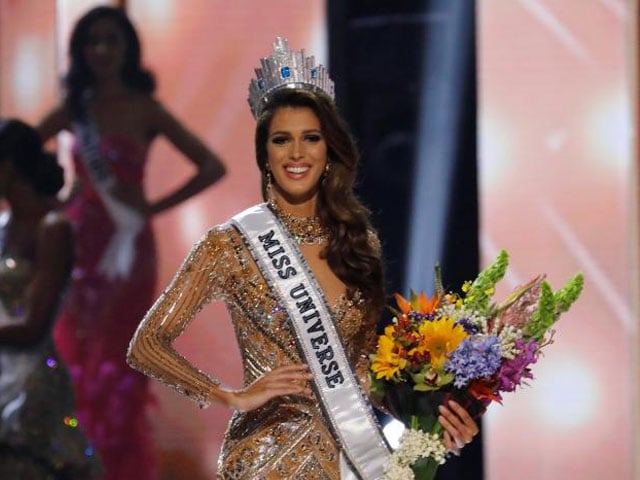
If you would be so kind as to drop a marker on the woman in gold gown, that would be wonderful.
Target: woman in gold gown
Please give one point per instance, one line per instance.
(285, 424)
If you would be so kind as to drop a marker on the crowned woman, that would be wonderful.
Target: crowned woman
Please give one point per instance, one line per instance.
(301, 275)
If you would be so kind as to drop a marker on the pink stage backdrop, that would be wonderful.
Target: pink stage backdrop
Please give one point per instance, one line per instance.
(556, 182)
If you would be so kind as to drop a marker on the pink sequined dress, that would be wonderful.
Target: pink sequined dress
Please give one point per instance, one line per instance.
(98, 319)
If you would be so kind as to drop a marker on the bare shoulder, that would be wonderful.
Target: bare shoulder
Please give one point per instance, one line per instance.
(59, 112)
(143, 103)
(56, 226)
(157, 115)
(53, 122)
(152, 106)
(148, 102)
(54, 249)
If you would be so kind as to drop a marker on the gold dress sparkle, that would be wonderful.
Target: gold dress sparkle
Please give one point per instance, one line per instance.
(287, 438)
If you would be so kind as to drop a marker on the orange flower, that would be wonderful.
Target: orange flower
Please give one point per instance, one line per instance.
(418, 303)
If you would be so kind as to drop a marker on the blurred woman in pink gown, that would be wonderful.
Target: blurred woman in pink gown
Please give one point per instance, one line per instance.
(110, 109)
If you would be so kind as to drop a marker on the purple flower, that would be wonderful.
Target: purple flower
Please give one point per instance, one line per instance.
(418, 317)
(476, 357)
(513, 371)
(469, 327)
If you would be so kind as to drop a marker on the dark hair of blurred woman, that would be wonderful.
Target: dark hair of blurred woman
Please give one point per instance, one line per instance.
(79, 77)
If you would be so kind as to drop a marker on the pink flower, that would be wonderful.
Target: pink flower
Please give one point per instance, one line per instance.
(521, 304)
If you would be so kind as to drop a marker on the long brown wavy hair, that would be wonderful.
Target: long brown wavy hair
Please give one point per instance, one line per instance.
(351, 254)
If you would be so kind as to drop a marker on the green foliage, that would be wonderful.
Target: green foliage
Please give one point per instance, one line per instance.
(422, 385)
(425, 468)
(551, 305)
(568, 294)
(377, 386)
(479, 294)
(544, 316)
(437, 280)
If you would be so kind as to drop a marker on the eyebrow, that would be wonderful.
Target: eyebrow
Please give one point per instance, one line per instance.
(286, 132)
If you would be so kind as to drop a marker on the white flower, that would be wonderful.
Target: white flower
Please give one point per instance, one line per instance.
(458, 313)
(394, 471)
(414, 444)
(508, 336)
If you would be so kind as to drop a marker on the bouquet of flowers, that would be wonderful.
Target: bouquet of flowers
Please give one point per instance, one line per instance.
(462, 347)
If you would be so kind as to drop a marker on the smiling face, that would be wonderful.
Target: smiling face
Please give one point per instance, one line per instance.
(296, 157)
(105, 48)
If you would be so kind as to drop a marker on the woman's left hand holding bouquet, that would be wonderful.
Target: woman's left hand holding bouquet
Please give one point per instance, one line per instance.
(459, 427)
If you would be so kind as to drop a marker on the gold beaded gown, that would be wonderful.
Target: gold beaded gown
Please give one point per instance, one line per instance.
(39, 434)
(287, 438)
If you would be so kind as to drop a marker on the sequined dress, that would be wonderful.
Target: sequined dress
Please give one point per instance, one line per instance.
(287, 438)
(39, 435)
(100, 315)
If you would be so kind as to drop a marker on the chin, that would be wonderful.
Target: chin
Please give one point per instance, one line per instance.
(102, 71)
(296, 198)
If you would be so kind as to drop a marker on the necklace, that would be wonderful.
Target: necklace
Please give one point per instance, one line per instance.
(305, 230)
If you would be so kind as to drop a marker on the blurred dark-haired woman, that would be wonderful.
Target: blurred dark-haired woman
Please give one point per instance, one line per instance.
(110, 108)
(39, 434)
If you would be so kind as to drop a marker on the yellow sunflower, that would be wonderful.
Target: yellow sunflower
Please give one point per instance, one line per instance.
(388, 361)
(439, 338)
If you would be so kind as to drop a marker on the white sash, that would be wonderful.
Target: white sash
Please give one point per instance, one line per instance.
(345, 405)
(118, 257)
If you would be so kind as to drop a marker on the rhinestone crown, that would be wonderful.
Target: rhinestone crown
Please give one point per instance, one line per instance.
(286, 69)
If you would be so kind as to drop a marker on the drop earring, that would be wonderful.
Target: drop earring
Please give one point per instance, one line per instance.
(327, 167)
(268, 189)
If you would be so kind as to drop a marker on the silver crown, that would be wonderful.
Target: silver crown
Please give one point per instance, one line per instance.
(286, 69)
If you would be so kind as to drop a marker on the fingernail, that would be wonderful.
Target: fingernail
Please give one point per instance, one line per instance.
(441, 408)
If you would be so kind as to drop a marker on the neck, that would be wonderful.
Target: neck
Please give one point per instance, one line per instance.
(109, 87)
(303, 225)
(306, 208)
